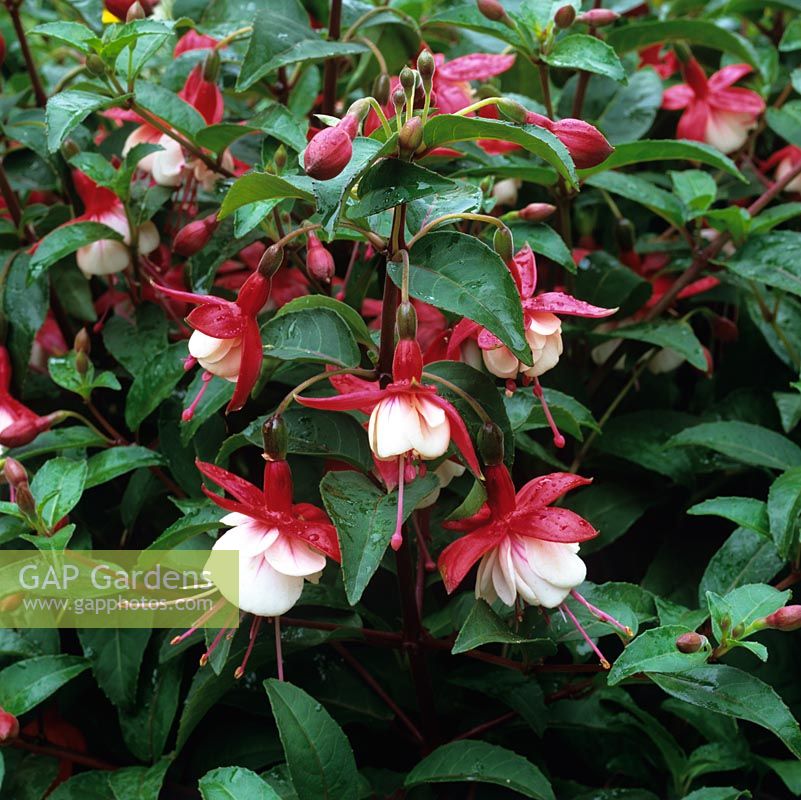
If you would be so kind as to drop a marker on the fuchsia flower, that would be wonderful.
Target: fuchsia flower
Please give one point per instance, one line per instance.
(331, 149)
(543, 331)
(108, 256)
(785, 161)
(192, 40)
(408, 420)
(717, 112)
(18, 424)
(664, 64)
(527, 549)
(226, 341)
(280, 545)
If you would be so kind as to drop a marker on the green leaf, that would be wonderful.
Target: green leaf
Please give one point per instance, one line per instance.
(775, 215)
(117, 461)
(603, 281)
(785, 121)
(79, 36)
(639, 190)
(526, 413)
(730, 691)
(447, 129)
(170, 108)
(771, 258)
(484, 626)
(472, 760)
(27, 683)
(200, 516)
(664, 150)
(85, 786)
(317, 752)
(115, 656)
(365, 519)
(59, 439)
(57, 488)
(744, 442)
(580, 51)
(460, 274)
(676, 335)
(744, 606)
(655, 650)
(545, 241)
(714, 793)
(258, 186)
(319, 335)
(745, 557)
(707, 34)
(469, 17)
(68, 109)
(696, 189)
(788, 771)
(65, 240)
(352, 317)
(391, 182)
(139, 783)
(235, 783)
(745, 512)
(25, 304)
(784, 507)
(280, 38)
(64, 372)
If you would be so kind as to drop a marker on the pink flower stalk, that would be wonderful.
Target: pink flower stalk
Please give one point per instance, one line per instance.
(331, 149)
(785, 161)
(226, 341)
(527, 549)
(408, 420)
(474, 344)
(664, 64)
(716, 112)
(108, 256)
(280, 544)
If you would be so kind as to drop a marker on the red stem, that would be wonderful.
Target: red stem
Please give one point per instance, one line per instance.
(39, 94)
(332, 64)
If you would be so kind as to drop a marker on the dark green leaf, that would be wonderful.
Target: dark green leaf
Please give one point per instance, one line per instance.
(319, 335)
(639, 190)
(257, 186)
(675, 335)
(772, 258)
(580, 51)
(57, 488)
(484, 626)
(235, 783)
(65, 240)
(785, 121)
(784, 506)
(27, 683)
(743, 511)
(68, 109)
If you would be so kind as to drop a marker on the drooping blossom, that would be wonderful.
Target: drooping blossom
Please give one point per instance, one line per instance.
(226, 341)
(785, 161)
(474, 344)
(527, 549)
(108, 256)
(409, 420)
(280, 544)
(664, 63)
(715, 111)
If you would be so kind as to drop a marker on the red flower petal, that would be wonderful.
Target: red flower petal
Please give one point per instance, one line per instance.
(249, 365)
(242, 490)
(552, 525)
(738, 100)
(217, 320)
(320, 535)
(544, 490)
(728, 76)
(355, 401)
(676, 97)
(457, 559)
(692, 124)
(475, 67)
(459, 435)
(560, 303)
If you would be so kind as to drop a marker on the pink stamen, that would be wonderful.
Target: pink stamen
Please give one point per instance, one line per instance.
(188, 413)
(604, 663)
(254, 630)
(601, 615)
(203, 618)
(278, 651)
(397, 538)
(558, 439)
(204, 659)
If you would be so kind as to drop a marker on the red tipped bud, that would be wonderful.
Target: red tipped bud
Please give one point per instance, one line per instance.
(15, 473)
(565, 17)
(691, 642)
(330, 151)
(95, 65)
(504, 243)
(598, 17)
(492, 10)
(319, 262)
(135, 12)
(536, 212)
(81, 363)
(24, 499)
(398, 100)
(585, 143)
(9, 727)
(11, 602)
(271, 260)
(24, 431)
(410, 137)
(626, 235)
(358, 110)
(785, 619)
(2, 49)
(490, 444)
(192, 238)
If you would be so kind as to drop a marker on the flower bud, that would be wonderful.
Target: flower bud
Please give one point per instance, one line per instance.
(81, 363)
(9, 726)
(738, 630)
(135, 12)
(512, 110)
(319, 262)
(398, 101)
(95, 65)
(586, 144)
(82, 342)
(192, 238)
(69, 149)
(381, 88)
(565, 16)
(330, 151)
(492, 10)
(504, 243)
(785, 619)
(15, 473)
(408, 79)
(536, 212)
(279, 159)
(691, 642)
(276, 438)
(410, 137)
(625, 234)
(24, 499)
(211, 66)
(407, 321)
(24, 431)
(426, 67)
(271, 260)
(358, 110)
(490, 444)
(724, 329)
(598, 17)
